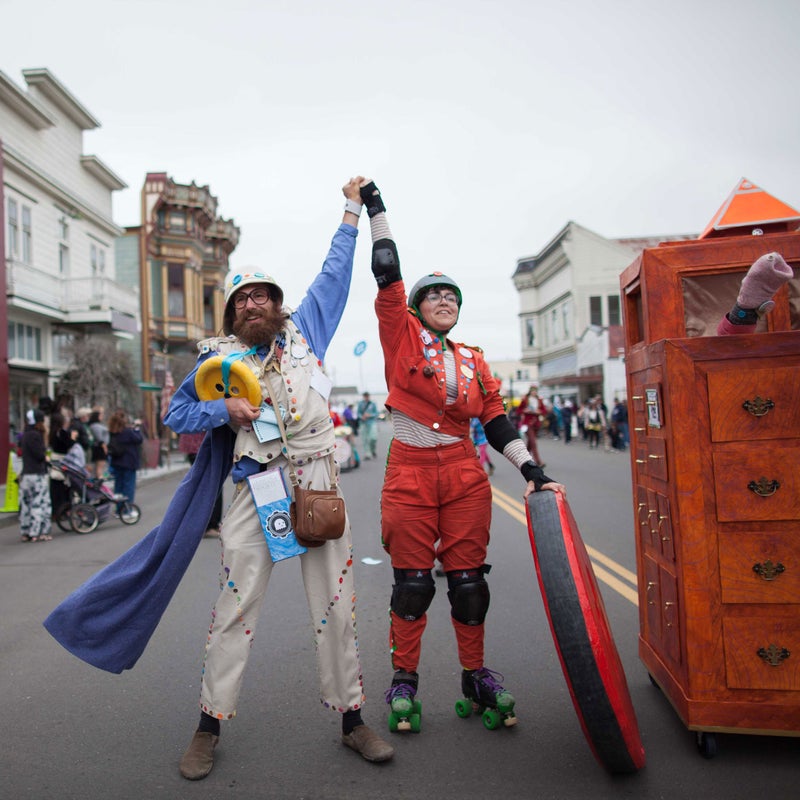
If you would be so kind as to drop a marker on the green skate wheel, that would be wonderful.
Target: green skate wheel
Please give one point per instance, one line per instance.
(491, 719)
(393, 720)
(417, 707)
(464, 708)
(416, 723)
(505, 703)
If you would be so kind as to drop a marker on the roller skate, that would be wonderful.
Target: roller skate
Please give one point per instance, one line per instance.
(406, 710)
(484, 693)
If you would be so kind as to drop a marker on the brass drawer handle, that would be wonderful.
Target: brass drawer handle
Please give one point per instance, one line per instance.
(773, 654)
(652, 456)
(758, 407)
(768, 571)
(650, 586)
(764, 488)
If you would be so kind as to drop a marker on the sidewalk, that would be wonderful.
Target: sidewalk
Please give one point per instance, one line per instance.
(177, 463)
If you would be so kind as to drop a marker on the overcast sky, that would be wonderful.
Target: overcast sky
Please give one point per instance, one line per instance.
(487, 125)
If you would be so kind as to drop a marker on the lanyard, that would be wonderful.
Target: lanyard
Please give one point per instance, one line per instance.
(227, 363)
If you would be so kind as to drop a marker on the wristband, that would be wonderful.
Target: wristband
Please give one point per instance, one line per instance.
(743, 316)
(353, 207)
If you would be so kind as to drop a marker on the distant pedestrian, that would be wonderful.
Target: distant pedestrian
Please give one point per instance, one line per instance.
(100, 435)
(481, 444)
(351, 419)
(35, 509)
(80, 424)
(619, 419)
(554, 421)
(531, 412)
(566, 420)
(124, 443)
(594, 422)
(368, 420)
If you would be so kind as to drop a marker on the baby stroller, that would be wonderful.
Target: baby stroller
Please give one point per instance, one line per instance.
(90, 502)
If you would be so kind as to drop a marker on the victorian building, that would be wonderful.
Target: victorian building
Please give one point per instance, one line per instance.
(179, 257)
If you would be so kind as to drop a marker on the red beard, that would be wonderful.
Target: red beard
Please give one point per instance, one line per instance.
(262, 330)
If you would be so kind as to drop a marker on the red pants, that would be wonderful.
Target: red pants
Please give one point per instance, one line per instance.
(436, 504)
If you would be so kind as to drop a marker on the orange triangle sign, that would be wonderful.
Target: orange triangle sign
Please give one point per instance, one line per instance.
(748, 207)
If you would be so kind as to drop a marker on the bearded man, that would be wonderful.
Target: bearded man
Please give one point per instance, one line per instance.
(283, 350)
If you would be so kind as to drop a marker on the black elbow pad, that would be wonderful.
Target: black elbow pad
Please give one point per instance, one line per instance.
(499, 432)
(385, 262)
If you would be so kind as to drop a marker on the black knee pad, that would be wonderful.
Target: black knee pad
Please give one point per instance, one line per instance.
(468, 595)
(412, 592)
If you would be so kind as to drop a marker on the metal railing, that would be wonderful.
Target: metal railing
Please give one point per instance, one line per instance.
(69, 295)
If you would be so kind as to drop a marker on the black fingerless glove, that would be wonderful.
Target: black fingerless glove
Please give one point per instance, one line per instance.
(531, 471)
(371, 198)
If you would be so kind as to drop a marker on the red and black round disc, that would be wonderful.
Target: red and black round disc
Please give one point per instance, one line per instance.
(578, 622)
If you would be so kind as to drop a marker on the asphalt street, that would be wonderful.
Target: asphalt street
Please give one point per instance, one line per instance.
(73, 732)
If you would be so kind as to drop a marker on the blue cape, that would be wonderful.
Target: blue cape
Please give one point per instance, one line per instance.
(109, 620)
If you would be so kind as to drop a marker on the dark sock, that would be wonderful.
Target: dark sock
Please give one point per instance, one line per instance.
(208, 724)
(350, 720)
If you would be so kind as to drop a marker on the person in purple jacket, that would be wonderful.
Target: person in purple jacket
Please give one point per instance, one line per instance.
(283, 350)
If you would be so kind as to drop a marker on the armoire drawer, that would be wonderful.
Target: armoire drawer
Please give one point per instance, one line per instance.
(762, 652)
(759, 568)
(751, 404)
(757, 482)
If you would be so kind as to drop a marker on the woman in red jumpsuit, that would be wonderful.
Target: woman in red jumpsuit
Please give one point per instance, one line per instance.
(436, 500)
(531, 410)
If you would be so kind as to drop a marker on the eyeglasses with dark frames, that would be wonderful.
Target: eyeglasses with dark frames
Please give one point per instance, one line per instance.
(258, 296)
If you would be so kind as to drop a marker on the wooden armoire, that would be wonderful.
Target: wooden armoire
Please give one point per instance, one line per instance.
(715, 456)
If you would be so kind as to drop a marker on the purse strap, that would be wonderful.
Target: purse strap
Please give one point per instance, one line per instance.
(279, 419)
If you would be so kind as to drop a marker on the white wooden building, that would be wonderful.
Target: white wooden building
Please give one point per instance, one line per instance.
(58, 237)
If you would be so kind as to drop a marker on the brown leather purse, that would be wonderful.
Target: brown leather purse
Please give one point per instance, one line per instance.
(317, 516)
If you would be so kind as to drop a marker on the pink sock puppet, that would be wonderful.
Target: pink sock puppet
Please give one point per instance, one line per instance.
(763, 279)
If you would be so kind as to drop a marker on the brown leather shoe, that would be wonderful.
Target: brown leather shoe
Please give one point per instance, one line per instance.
(198, 759)
(365, 741)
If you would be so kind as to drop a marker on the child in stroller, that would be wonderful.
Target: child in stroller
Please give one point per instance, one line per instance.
(90, 501)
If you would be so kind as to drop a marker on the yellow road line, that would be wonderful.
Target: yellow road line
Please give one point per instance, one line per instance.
(516, 509)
